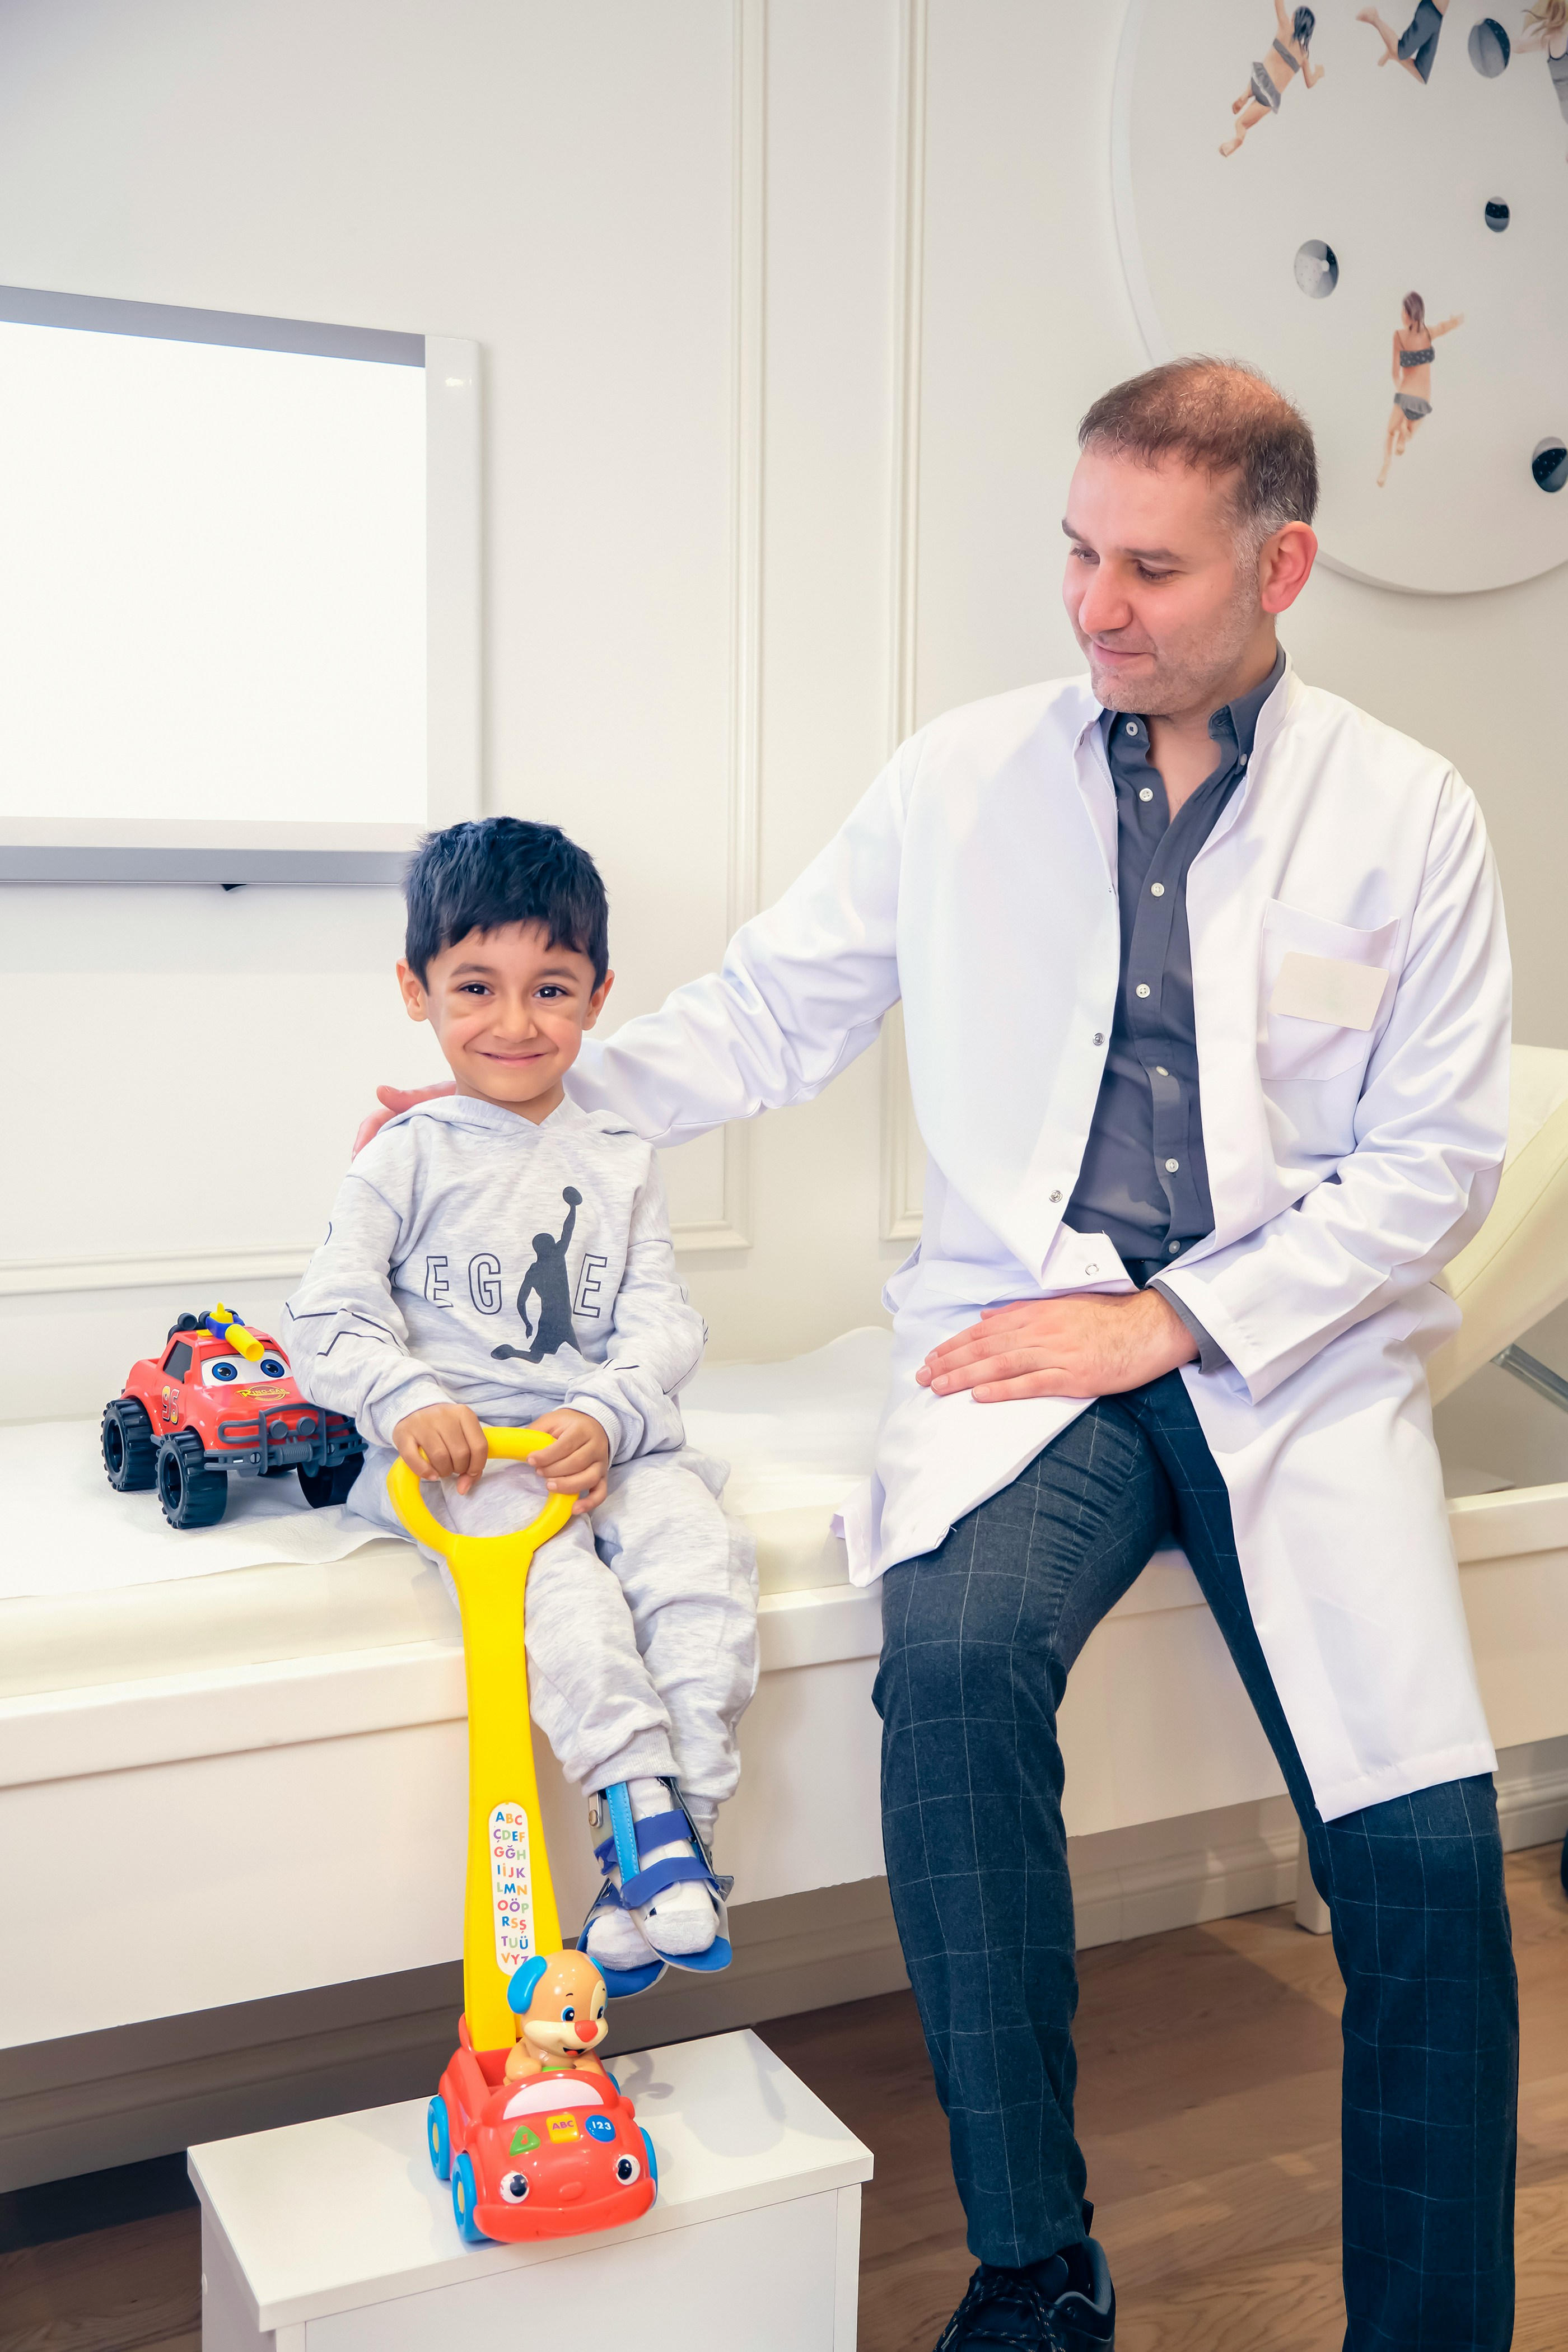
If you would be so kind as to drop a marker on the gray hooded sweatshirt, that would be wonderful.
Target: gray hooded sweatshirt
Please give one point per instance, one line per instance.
(476, 1258)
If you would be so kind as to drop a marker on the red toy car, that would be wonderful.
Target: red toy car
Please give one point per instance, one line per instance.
(547, 2157)
(221, 1397)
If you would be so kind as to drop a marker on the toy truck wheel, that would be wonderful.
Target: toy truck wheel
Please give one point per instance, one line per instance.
(192, 1496)
(343, 1476)
(330, 1485)
(438, 2139)
(130, 1453)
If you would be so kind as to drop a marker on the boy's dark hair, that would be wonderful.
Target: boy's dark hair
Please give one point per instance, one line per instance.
(1224, 419)
(503, 870)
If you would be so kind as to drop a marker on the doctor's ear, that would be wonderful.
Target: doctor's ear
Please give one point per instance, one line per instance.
(1285, 563)
(413, 989)
(597, 1001)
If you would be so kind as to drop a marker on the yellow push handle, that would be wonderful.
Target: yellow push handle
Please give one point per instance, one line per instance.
(508, 1907)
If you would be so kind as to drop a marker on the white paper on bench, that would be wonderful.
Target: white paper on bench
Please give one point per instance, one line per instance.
(69, 1531)
(796, 1435)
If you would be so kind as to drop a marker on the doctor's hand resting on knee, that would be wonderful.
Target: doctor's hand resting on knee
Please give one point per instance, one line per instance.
(1079, 1346)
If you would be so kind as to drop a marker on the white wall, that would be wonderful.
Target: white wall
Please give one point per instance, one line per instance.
(757, 493)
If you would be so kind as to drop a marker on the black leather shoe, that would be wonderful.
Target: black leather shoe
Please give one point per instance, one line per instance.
(1058, 2306)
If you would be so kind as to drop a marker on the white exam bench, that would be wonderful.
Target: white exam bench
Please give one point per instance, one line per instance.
(226, 1786)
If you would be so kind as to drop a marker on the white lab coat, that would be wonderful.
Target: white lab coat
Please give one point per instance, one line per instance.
(978, 880)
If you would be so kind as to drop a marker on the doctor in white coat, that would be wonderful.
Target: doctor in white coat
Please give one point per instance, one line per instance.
(1206, 990)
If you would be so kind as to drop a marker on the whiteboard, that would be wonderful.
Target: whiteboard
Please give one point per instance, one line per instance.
(238, 592)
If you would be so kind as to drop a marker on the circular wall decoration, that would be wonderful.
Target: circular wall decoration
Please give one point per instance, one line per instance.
(1363, 159)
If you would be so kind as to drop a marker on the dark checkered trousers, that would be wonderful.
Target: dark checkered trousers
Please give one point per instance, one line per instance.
(978, 1639)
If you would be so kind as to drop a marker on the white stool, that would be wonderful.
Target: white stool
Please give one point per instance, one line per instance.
(337, 2237)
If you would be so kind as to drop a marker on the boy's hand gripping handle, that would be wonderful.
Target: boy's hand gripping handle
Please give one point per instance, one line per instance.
(508, 1911)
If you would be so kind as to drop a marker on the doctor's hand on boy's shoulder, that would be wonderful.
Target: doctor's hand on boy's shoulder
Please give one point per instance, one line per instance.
(1082, 1345)
(446, 1441)
(394, 1099)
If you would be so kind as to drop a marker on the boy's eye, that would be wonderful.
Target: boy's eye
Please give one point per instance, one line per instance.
(551, 988)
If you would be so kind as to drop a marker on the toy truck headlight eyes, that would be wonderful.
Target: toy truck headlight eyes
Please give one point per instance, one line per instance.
(224, 1372)
(514, 2188)
(628, 2169)
(274, 1367)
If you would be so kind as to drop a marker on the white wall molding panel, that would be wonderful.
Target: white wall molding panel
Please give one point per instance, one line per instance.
(903, 1153)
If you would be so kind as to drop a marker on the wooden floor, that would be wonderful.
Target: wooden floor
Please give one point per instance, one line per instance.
(1208, 2105)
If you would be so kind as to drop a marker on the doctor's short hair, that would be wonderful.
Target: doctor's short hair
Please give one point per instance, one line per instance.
(1224, 419)
(504, 869)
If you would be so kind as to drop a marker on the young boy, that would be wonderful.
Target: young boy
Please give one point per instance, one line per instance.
(499, 1256)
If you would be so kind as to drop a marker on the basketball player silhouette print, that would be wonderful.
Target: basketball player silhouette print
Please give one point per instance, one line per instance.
(548, 1281)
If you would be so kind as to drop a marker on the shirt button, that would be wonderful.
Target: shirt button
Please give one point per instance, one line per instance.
(1133, 726)
(1056, 1196)
(1156, 890)
(1171, 1166)
(1143, 988)
(1099, 1037)
(1173, 1248)
(1091, 1269)
(1160, 1071)
(1146, 792)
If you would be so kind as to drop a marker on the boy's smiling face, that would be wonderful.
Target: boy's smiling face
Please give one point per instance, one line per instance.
(509, 1010)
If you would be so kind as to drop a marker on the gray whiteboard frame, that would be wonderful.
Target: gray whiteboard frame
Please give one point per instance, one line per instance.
(139, 850)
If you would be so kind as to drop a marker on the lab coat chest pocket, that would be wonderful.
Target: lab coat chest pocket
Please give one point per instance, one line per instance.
(1322, 987)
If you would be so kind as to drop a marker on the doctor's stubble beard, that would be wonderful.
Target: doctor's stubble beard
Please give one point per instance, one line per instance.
(1189, 674)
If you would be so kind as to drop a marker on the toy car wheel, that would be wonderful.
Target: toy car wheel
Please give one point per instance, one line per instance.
(465, 2198)
(316, 1486)
(320, 1487)
(652, 2161)
(192, 1496)
(343, 1476)
(130, 1451)
(438, 2139)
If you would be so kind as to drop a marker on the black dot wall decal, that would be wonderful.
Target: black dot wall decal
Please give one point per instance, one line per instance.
(1489, 47)
(1317, 269)
(1549, 462)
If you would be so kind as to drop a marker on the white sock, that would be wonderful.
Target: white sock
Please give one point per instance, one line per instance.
(615, 1941)
(683, 1918)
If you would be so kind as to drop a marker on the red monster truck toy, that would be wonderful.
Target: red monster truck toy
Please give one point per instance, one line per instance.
(221, 1398)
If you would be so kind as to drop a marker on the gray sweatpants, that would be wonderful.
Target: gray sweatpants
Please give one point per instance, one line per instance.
(640, 1622)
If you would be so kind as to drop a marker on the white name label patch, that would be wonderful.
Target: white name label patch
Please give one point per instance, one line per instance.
(1325, 988)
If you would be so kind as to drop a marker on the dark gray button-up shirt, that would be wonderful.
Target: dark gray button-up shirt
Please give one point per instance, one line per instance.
(1145, 1177)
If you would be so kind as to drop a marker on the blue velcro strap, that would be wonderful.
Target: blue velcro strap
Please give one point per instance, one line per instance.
(662, 1828)
(618, 1802)
(660, 1876)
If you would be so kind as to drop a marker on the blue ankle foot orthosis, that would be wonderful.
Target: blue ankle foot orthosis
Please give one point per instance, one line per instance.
(621, 1855)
